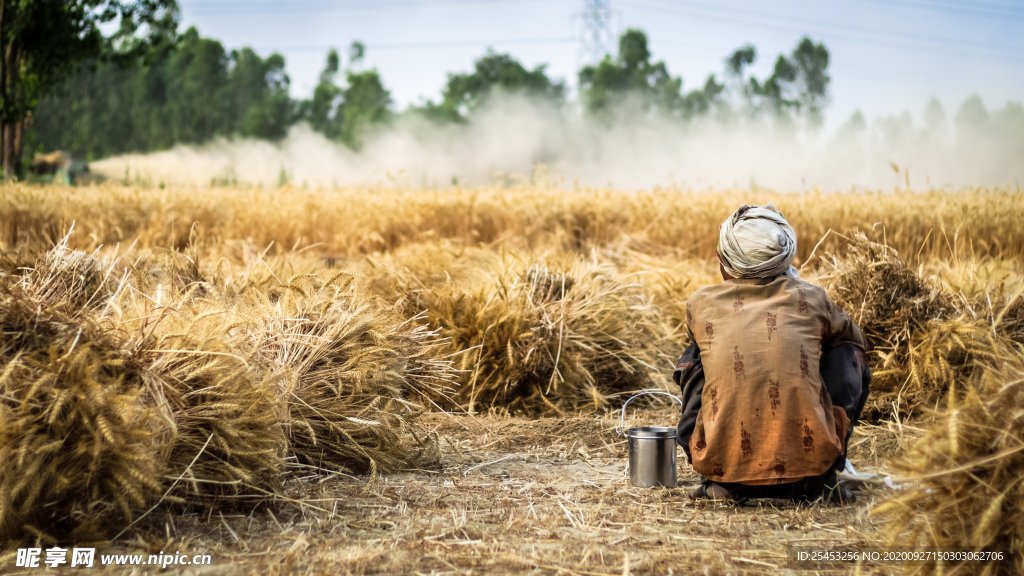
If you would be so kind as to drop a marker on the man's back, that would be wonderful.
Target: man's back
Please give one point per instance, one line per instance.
(766, 417)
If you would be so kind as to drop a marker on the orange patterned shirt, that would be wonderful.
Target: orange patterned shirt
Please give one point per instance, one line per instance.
(765, 415)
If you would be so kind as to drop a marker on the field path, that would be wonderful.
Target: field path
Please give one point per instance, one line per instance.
(514, 496)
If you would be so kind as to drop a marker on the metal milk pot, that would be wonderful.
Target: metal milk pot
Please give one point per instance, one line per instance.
(652, 449)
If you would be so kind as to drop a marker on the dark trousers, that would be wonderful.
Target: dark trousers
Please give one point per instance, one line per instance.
(806, 489)
(846, 376)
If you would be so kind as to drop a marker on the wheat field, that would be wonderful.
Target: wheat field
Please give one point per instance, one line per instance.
(376, 380)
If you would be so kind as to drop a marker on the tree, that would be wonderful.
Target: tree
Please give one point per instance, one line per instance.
(188, 91)
(811, 61)
(855, 124)
(704, 100)
(492, 73)
(258, 93)
(735, 70)
(356, 53)
(935, 119)
(798, 83)
(344, 112)
(364, 102)
(774, 91)
(321, 110)
(198, 97)
(633, 77)
(1008, 135)
(43, 40)
(738, 61)
(972, 114)
(633, 73)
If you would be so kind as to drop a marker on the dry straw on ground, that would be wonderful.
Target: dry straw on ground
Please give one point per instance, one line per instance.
(80, 279)
(215, 366)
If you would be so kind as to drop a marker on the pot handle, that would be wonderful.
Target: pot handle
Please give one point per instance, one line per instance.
(621, 430)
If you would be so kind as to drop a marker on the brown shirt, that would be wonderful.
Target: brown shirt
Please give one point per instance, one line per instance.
(766, 416)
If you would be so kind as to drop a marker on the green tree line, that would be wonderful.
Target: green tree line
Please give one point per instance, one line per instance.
(41, 41)
(149, 86)
(191, 91)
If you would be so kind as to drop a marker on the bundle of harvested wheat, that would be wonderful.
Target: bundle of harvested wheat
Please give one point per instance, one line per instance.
(228, 440)
(943, 352)
(891, 304)
(83, 280)
(1010, 319)
(990, 289)
(967, 489)
(353, 377)
(880, 292)
(410, 270)
(538, 340)
(667, 275)
(614, 340)
(80, 447)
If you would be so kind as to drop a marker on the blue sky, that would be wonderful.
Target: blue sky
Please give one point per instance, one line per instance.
(888, 55)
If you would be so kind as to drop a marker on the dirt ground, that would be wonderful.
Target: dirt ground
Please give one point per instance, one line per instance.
(517, 496)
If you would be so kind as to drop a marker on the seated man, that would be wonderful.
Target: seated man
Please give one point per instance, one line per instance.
(775, 375)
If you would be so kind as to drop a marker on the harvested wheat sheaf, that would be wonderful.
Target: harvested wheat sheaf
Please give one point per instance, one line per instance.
(1010, 319)
(112, 400)
(77, 440)
(967, 488)
(228, 439)
(80, 279)
(921, 339)
(882, 294)
(541, 340)
(353, 378)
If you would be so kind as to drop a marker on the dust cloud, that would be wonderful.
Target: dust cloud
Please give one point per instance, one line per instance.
(514, 139)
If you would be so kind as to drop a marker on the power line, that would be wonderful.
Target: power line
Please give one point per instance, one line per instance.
(854, 33)
(596, 39)
(425, 45)
(301, 7)
(853, 28)
(967, 6)
(962, 9)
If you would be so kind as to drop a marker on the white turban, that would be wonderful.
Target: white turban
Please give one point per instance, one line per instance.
(757, 242)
